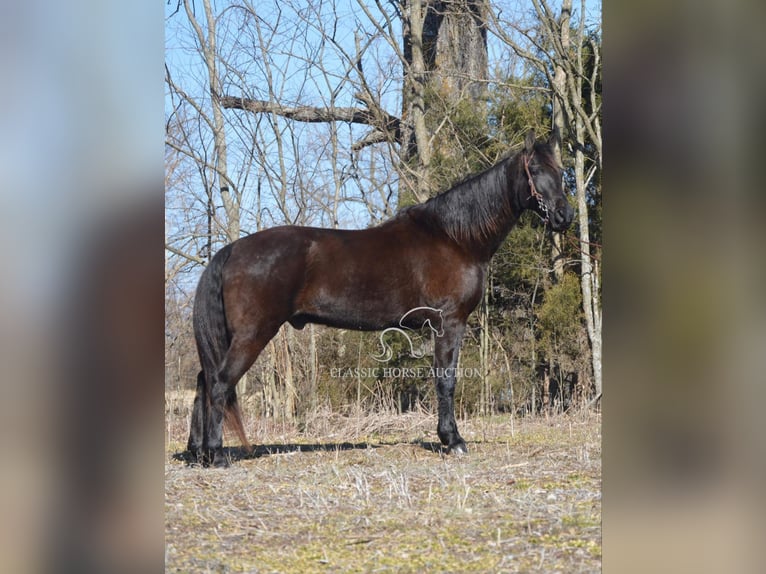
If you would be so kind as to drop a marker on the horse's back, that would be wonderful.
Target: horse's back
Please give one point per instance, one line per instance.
(359, 279)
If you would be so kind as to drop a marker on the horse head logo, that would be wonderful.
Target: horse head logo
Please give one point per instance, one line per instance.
(432, 318)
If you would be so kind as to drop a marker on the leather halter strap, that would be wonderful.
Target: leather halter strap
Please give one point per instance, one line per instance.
(532, 189)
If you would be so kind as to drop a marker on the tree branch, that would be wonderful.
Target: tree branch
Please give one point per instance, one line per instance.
(188, 256)
(312, 114)
(374, 137)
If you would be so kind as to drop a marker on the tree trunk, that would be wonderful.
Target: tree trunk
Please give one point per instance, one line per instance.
(269, 392)
(288, 404)
(585, 129)
(455, 47)
(589, 275)
(445, 52)
(589, 279)
(559, 122)
(415, 151)
(314, 404)
(484, 350)
(207, 46)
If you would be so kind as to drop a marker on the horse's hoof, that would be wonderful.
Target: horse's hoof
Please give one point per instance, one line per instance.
(193, 457)
(459, 448)
(221, 461)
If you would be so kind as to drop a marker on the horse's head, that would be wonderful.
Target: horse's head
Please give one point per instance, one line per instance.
(544, 192)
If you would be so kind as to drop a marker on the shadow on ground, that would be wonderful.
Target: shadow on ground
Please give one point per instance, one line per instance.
(237, 453)
(432, 447)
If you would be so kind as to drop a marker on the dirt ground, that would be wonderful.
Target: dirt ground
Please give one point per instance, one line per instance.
(379, 496)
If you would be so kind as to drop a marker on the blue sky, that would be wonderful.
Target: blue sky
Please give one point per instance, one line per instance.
(301, 82)
(179, 57)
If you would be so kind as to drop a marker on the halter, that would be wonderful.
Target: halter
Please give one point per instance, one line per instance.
(533, 190)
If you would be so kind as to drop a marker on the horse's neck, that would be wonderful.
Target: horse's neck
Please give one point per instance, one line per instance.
(491, 246)
(485, 225)
(504, 211)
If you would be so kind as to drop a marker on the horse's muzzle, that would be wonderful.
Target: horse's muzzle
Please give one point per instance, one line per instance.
(562, 216)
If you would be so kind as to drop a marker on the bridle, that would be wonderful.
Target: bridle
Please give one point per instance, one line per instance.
(533, 190)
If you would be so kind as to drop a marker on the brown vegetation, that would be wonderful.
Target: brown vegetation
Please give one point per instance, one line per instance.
(372, 493)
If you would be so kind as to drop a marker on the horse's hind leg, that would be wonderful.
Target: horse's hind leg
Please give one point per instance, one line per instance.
(197, 427)
(242, 353)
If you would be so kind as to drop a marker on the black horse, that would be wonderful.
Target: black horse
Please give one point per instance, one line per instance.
(429, 257)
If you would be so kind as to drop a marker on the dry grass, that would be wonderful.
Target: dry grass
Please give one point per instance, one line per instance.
(373, 494)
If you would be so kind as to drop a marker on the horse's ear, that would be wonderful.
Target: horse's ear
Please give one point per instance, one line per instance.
(554, 140)
(529, 141)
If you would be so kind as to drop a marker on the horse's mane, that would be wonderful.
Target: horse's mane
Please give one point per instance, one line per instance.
(483, 206)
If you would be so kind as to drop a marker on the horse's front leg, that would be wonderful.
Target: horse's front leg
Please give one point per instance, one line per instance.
(446, 352)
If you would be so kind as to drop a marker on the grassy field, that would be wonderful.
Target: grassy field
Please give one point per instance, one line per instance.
(374, 494)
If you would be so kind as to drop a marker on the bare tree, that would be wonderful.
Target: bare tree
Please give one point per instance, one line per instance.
(207, 49)
(558, 51)
(559, 120)
(443, 44)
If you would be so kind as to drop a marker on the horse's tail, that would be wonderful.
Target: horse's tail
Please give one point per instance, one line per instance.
(213, 337)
